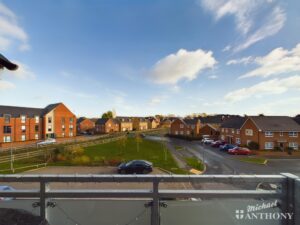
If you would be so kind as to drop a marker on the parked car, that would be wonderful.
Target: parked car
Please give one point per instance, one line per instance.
(6, 188)
(226, 147)
(207, 141)
(239, 151)
(48, 141)
(217, 144)
(135, 166)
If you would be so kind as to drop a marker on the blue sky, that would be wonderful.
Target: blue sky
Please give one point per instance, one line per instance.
(153, 57)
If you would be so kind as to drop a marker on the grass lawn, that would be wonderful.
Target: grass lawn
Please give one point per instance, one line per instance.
(256, 160)
(152, 151)
(194, 163)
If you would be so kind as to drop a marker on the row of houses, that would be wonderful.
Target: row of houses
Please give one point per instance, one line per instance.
(267, 132)
(118, 124)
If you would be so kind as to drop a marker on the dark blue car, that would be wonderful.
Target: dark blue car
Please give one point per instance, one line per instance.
(226, 147)
(135, 166)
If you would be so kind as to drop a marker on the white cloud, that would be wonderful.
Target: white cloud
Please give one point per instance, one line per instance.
(213, 77)
(226, 48)
(5, 85)
(10, 30)
(245, 61)
(274, 22)
(274, 86)
(278, 61)
(255, 19)
(181, 65)
(156, 100)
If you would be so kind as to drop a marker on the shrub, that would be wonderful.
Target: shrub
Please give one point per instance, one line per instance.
(289, 150)
(81, 160)
(277, 149)
(253, 145)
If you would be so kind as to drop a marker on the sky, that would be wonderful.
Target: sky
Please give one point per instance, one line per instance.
(153, 57)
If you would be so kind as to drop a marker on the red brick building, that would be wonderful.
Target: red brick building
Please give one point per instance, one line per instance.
(230, 130)
(105, 125)
(20, 124)
(210, 130)
(185, 127)
(85, 125)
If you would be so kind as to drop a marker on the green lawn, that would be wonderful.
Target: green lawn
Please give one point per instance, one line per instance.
(195, 163)
(256, 160)
(152, 151)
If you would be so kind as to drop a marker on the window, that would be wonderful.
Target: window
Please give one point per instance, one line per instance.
(71, 120)
(281, 134)
(37, 119)
(293, 145)
(36, 128)
(181, 125)
(49, 128)
(23, 128)
(63, 128)
(71, 126)
(249, 132)
(23, 137)
(63, 134)
(222, 130)
(232, 131)
(6, 139)
(36, 136)
(71, 134)
(293, 134)
(268, 134)
(7, 129)
(176, 132)
(237, 131)
(49, 119)
(23, 119)
(7, 118)
(223, 137)
(181, 132)
(188, 132)
(269, 145)
(238, 141)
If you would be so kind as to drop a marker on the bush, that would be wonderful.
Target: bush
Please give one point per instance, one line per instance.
(253, 145)
(289, 150)
(81, 160)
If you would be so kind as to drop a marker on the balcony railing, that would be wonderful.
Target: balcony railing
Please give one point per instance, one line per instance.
(194, 206)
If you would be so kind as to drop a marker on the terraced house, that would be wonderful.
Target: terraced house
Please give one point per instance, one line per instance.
(230, 130)
(271, 132)
(140, 123)
(125, 123)
(105, 125)
(85, 125)
(20, 124)
(185, 127)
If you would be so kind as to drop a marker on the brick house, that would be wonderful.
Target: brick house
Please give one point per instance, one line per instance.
(152, 123)
(125, 123)
(19, 124)
(185, 127)
(165, 123)
(230, 130)
(140, 123)
(85, 125)
(105, 125)
(210, 130)
(271, 132)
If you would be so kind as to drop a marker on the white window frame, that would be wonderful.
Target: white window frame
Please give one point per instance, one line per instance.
(70, 134)
(281, 134)
(269, 145)
(6, 139)
(249, 132)
(237, 131)
(238, 140)
(49, 128)
(293, 134)
(36, 136)
(269, 134)
(37, 119)
(293, 145)
(23, 137)
(23, 119)
(23, 128)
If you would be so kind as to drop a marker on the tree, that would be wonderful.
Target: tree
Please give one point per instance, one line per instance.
(107, 115)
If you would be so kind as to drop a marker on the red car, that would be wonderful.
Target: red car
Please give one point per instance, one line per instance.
(217, 144)
(239, 151)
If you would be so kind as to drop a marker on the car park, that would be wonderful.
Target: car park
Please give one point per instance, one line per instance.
(239, 151)
(135, 167)
(226, 147)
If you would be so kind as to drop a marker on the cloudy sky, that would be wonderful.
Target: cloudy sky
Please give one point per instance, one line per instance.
(149, 57)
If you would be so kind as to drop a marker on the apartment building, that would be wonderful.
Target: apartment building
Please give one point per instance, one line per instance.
(140, 123)
(85, 125)
(185, 127)
(230, 130)
(106, 125)
(19, 124)
(271, 132)
(125, 123)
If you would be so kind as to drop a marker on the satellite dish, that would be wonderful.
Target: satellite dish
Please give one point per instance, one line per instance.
(5, 63)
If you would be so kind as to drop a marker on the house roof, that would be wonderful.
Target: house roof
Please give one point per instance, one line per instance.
(190, 121)
(80, 119)
(297, 119)
(216, 119)
(234, 122)
(16, 111)
(275, 123)
(124, 119)
(103, 121)
(50, 107)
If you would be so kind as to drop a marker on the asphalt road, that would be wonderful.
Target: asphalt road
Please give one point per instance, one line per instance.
(218, 162)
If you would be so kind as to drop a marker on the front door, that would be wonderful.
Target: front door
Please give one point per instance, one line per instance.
(281, 146)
